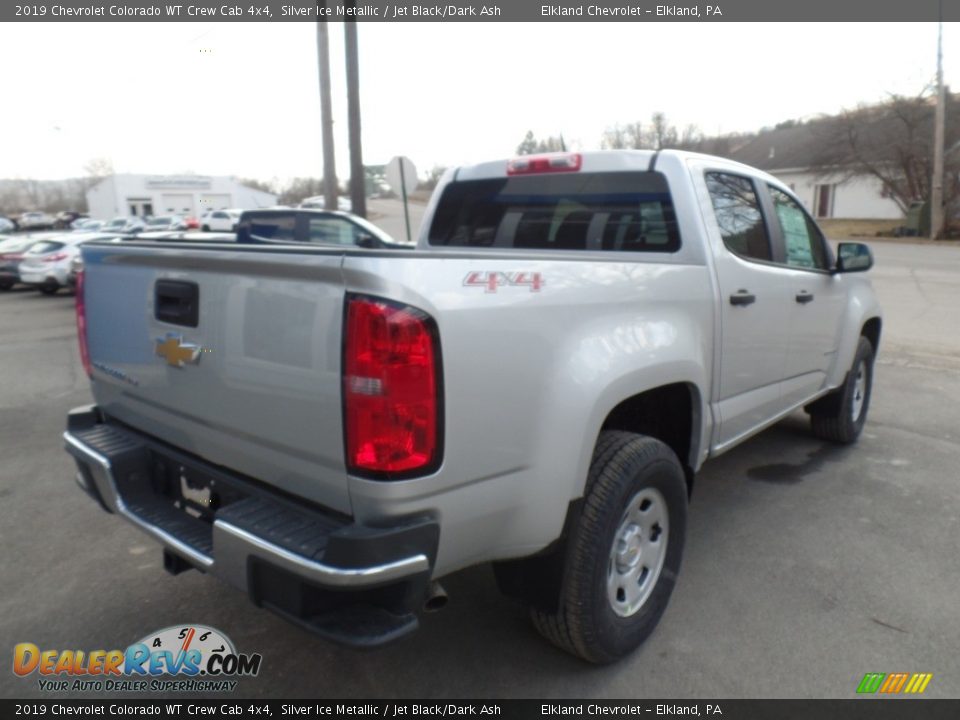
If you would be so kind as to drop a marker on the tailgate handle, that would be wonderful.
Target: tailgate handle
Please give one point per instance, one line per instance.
(177, 302)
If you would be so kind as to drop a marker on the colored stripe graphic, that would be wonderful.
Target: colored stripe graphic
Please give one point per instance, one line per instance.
(871, 682)
(894, 683)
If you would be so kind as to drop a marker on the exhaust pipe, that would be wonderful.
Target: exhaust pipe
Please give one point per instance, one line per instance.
(436, 598)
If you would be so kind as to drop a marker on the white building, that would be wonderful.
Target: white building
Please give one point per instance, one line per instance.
(188, 195)
(790, 154)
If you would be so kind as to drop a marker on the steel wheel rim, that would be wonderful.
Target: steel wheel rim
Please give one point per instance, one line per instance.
(859, 391)
(638, 552)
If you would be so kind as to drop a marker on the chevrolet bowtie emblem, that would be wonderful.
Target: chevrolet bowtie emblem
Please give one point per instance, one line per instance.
(175, 351)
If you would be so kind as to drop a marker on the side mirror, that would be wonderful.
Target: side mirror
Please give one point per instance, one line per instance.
(853, 257)
(366, 241)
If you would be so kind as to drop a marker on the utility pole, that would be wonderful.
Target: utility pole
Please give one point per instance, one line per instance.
(936, 183)
(358, 190)
(326, 118)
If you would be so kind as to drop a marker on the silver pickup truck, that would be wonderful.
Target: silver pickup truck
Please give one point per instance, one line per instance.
(333, 429)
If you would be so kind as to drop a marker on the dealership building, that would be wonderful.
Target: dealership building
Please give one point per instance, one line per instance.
(188, 195)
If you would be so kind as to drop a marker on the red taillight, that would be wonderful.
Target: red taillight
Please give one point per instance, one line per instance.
(391, 389)
(82, 324)
(56, 257)
(549, 163)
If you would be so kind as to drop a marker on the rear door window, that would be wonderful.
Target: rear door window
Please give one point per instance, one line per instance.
(619, 211)
(736, 207)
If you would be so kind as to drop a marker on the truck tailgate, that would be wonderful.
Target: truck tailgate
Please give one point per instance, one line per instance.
(251, 383)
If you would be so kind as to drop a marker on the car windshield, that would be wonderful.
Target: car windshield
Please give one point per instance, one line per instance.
(159, 221)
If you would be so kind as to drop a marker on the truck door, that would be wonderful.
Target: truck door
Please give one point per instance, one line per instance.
(754, 307)
(818, 299)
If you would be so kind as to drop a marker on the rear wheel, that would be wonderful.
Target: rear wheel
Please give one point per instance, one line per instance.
(840, 416)
(206, 228)
(6, 284)
(49, 288)
(623, 553)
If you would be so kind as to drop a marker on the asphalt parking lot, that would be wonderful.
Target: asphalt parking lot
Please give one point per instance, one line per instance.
(807, 565)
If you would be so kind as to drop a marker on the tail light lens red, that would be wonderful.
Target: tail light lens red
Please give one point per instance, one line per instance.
(82, 323)
(391, 389)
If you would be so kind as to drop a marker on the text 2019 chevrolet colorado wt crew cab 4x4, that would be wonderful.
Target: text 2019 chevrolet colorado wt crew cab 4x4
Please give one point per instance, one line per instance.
(333, 429)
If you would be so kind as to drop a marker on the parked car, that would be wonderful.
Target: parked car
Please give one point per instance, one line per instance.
(129, 225)
(87, 225)
(220, 221)
(36, 221)
(162, 223)
(76, 266)
(66, 219)
(319, 202)
(320, 227)
(7, 225)
(190, 223)
(11, 253)
(46, 263)
(334, 430)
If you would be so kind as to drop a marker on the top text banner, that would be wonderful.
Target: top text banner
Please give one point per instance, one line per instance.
(853, 11)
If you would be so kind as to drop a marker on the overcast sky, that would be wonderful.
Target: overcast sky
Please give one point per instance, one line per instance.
(242, 98)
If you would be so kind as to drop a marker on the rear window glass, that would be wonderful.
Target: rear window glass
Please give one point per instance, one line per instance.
(625, 211)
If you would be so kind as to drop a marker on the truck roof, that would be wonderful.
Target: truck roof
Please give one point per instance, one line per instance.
(606, 161)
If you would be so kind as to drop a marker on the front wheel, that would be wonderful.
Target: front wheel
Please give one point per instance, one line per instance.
(840, 416)
(49, 288)
(623, 554)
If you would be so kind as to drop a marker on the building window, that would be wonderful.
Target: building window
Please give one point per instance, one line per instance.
(823, 200)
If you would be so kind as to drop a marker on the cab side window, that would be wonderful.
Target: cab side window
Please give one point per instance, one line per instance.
(802, 239)
(737, 210)
(332, 231)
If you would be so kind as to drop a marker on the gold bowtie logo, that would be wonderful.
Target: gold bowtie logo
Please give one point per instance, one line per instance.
(176, 352)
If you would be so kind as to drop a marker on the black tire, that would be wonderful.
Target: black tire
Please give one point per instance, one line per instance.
(834, 417)
(584, 622)
(49, 288)
(6, 284)
(206, 228)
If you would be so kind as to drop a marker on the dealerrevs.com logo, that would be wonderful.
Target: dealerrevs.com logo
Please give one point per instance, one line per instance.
(201, 658)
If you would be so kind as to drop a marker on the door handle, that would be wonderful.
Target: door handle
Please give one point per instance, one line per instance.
(742, 297)
(803, 297)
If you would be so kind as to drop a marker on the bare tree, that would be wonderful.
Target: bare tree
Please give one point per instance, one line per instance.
(300, 188)
(891, 142)
(658, 134)
(531, 145)
(433, 177)
(619, 137)
(261, 185)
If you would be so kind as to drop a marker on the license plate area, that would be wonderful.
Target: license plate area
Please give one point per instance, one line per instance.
(189, 488)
